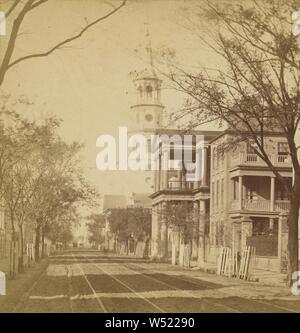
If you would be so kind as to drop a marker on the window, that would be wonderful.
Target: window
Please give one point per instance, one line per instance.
(250, 149)
(251, 154)
(149, 91)
(283, 148)
(281, 192)
(234, 189)
(222, 192)
(140, 90)
(283, 151)
(212, 192)
(217, 194)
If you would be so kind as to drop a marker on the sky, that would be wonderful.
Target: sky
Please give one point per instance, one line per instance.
(87, 84)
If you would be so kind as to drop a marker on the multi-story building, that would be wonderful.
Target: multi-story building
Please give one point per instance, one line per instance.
(174, 186)
(245, 203)
(248, 204)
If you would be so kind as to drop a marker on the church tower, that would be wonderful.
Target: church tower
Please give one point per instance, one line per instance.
(148, 109)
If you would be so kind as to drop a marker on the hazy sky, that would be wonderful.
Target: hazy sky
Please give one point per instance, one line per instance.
(87, 84)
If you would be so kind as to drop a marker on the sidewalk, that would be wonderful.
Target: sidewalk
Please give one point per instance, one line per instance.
(231, 287)
(261, 276)
(18, 288)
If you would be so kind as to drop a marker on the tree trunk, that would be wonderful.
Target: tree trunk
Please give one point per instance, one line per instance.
(37, 244)
(13, 255)
(292, 222)
(43, 243)
(21, 254)
(13, 249)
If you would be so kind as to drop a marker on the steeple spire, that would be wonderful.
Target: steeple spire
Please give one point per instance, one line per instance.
(149, 49)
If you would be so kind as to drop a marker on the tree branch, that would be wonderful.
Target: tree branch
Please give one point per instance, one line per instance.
(68, 40)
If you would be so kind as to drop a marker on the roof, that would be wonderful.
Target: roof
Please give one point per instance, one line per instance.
(208, 135)
(231, 131)
(144, 74)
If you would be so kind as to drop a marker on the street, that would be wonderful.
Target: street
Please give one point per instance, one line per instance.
(89, 281)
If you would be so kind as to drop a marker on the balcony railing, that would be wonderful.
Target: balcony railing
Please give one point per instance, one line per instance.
(282, 205)
(256, 205)
(261, 205)
(180, 185)
(253, 159)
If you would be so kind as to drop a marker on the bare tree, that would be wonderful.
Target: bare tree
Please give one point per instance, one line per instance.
(254, 88)
(20, 10)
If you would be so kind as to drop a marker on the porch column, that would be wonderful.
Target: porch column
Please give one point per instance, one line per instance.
(164, 233)
(164, 167)
(195, 239)
(240, 192)
(272, 194)
(161, 185)
(205, 165)
(246, 231)
(282, 242)
(201, 246)
(179, 176)
(155, 232)
(156, 180)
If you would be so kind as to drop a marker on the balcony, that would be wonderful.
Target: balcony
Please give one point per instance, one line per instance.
(175, 185)
(282, 205)
(261, 205)
(254, 160)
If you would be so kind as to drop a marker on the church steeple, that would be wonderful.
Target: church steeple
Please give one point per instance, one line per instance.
(148, 107)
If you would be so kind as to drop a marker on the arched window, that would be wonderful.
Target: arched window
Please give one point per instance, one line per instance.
(149, 91)
(140, 90)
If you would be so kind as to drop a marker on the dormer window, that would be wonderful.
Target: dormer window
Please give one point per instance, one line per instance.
(149, 91)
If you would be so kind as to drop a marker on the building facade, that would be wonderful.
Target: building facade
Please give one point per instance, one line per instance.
(238, 202)
(248, 204)
(175, 186)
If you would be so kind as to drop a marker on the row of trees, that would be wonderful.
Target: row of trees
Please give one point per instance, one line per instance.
(41, 183)
(124, 225)
(133, 224)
